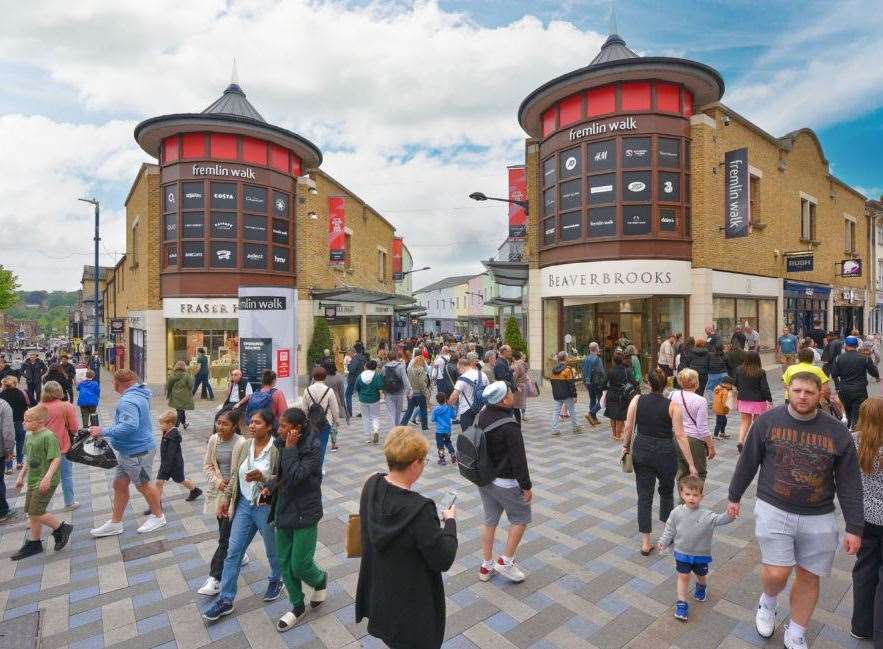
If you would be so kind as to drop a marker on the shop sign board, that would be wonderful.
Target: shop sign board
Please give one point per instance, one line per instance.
(336, 229)
(619, 277)
(255, 356)
(851, 268)
(517, 192)
(267, 326)
(191, 307)
(117, 325)
(798, 263)
(736, 193)
(378, 309)
(331, 313)
(283, 363)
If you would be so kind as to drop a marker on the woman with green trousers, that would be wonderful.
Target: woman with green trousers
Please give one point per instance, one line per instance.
(297, 509)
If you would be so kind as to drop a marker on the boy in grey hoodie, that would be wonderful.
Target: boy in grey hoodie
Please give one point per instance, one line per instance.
(691, 527)
(396, 387)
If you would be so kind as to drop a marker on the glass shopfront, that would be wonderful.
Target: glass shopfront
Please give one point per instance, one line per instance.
(758, 313)
(805, 303)
(377, 331)
(218, 336)
(345, 332)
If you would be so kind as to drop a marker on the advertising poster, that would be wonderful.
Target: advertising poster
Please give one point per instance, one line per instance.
(255, 356)
(336, 229)
(517, 192)
(736, 193)
(397, 245)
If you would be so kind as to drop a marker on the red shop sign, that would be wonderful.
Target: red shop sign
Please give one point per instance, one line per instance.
(283, 363)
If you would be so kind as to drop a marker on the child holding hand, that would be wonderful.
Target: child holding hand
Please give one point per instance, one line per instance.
(442, 417)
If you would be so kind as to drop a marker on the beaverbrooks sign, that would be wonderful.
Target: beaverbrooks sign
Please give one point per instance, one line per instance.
(246, 173)
(602, 127)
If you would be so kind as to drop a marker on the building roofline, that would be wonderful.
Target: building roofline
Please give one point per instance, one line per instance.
(151, 167)
(351, 193)
(447, 282)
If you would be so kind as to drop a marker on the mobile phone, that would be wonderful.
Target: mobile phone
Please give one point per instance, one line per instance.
(449, 499)
(93, 419)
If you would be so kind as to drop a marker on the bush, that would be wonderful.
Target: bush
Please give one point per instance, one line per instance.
(321, 341)
(513, 337)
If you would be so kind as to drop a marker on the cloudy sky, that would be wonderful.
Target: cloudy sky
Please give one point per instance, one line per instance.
(413, 104)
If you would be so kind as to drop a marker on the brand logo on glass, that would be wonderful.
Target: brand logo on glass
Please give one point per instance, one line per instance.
(171, 197)
(601, 155)
(280, 204)
(228, 197)
(223, 255)
(638, 153)
(570, 163)
(636, 186)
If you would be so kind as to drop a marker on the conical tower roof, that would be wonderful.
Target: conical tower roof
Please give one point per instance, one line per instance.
(613, 49)
(233, 102)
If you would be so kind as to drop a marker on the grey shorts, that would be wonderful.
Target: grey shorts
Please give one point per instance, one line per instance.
(787, 539)
(138, 469)
(495, 500)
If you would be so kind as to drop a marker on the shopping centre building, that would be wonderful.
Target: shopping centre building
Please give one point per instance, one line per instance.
(235, 241)
(654, 208)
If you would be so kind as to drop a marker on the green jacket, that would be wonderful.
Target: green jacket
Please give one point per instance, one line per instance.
(179, 390)
(369, 392)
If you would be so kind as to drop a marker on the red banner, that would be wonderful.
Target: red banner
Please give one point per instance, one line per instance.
(336, 229)
(397, 245)
(517, 192)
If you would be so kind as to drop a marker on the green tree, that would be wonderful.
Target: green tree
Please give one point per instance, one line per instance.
(8, 284)
(321, 341)
(512, 336)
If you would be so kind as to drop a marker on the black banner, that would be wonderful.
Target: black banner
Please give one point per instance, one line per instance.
(255, 356)
(798, 263)
(736, 193)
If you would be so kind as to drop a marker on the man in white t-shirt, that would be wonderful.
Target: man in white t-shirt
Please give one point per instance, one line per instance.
(438, 367)
(464, 394)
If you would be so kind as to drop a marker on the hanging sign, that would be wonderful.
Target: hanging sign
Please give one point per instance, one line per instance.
(336, 229)
(736, 193)
(517, 192)
(851, 268)
(397, 246)
(798, 263)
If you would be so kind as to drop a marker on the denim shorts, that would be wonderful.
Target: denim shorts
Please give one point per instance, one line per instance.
(787, 539)
(138, 469)
(685, 568)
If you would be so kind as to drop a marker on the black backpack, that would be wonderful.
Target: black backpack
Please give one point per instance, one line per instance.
(316, 414)
(450, 376)
(598, 376)
(473, 457)
(392, 382)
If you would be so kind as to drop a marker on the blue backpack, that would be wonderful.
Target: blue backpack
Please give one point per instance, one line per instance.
(259, 400)
(477, 390)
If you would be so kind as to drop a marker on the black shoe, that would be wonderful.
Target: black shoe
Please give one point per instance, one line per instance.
(29, 549)
(62, 535)
(195, 493)
(186, 425)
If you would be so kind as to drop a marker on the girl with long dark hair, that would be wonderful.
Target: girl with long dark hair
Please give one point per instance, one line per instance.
(755, 397)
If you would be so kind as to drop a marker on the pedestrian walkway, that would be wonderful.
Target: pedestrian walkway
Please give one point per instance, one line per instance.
(587, 586)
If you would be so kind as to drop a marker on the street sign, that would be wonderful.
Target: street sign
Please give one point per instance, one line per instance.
(117, 325)
(798, 263)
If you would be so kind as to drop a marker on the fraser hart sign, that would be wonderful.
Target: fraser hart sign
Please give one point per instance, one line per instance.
(636, 277)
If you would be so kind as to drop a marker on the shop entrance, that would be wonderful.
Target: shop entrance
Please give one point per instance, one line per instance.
(847, 318)
(345, 332)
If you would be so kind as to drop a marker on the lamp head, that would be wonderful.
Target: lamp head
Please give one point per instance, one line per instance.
(477, 196)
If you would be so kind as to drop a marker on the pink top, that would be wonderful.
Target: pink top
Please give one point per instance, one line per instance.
(63, 420)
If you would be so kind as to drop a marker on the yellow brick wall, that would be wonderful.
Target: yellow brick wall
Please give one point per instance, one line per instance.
(369, 230)
(534, 199)
(142, 264)
(805, 170)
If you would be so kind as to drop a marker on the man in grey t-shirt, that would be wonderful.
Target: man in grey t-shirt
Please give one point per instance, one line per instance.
(752, 339)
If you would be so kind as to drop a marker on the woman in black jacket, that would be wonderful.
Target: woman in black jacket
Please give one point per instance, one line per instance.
(18, 401)
(297, 509)
(56, 373)
(755, 397)
(683, 358)
(621, 387)
(699, 360)
(404, 550)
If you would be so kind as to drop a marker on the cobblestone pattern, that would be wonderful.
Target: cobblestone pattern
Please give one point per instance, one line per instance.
(587, 586)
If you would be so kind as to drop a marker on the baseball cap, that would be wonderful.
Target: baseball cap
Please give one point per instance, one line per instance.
(495, 392)
(852, 341)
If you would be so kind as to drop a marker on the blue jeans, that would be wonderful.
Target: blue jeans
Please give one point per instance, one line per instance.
(202, 379)
(713, 381)
(67, 480)
(556, 416)
(248, 519)
(417, 400)
(323, 441)
(350, 388)
(594, 399)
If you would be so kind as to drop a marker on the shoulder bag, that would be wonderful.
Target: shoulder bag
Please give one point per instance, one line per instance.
(353, 538)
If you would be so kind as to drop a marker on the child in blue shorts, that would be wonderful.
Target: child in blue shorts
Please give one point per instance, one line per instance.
(691, 527)
(442, 416)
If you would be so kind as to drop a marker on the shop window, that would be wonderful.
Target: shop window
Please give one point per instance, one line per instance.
(635, 152)
(192, 225)
(170, 149)
(254, 199)
(669, 187)
(280, 232)
(549, 171)
(602, 222)
(255, 256)
(278, 157)
(724, 316)
(223, 254)
(549, 121)
(569, 197)
(668, 97)
(766, 323)
(170, 227)
(601, 100)
(636, 186)
(170, 198)
(254, 151)
(668, 219)
(223, 225)
(602, 189)
(254, 228)
(570, 110)
(224, 196)
(848, 235)
(193, 253)
(807, 220)
(754, 213)
(280, 204)
(670, 315)
(571, 226)
(280, 259)
(636, 95)
(193, 145)
(223, 146)
(549, 231)
(549, 202)
(193, 196)
(602, 156)
(569, 163)
(635, 220)
(668, 153)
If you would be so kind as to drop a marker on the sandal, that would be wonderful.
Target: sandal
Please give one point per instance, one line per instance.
(290, 619)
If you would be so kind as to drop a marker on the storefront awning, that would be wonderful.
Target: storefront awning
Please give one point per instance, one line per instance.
(507, 273)
(348, 294)
(409, 309)
(503, 301)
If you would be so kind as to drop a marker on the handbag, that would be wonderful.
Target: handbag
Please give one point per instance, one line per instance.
(626, 462)
(531, 389)
(353, 538)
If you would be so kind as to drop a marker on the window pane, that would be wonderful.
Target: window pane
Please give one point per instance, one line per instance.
(635, 219)
(570, 223)
(255, 255)
(602, 222)
(669, 186)
(170, 198)
(194, 195)
(223, 254)
(725, 316)
(766, 325)
(223, 196)
(579, 322)
(550, 334)
(549, 202)
(549, 172)
(602, 156)
(280, 258)
(569, 198)
(192, 225)
(636, 186)
(223, 225)
(669, 153)
(280, 204)
(549, 231)
(194, 254)
(635, 152)
(746, 311)
(601, 189)
(254, 228)
(171, 255)
(668, 219)
(280, 231)
(254, 199)
(569, 163)
(171, 227)
(670, 311)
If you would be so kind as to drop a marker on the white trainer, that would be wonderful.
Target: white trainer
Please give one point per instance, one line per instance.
(108, 529)
(211, 587)
(245, 559)
(794, 641)
(69, 508)
(152, 524)
(510, 571)
(765, 621)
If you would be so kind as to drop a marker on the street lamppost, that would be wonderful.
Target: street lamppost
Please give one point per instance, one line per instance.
(478, 196)
(415, 270)
(96, 239)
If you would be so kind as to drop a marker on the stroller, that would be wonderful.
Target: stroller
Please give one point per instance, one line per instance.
(91, 452)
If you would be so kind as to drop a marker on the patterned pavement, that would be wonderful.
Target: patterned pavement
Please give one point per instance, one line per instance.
(587, 586)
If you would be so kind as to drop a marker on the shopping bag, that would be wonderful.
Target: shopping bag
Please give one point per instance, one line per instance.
(353, 540)
(91, 452)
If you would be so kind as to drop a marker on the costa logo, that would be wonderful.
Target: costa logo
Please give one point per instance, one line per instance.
(224, 197)
(636, 186)
(570, 163)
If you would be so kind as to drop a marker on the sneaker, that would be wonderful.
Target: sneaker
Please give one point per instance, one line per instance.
(556, 432)
(682, 609)
(860, 637)
(245, 560)
(152, 524)
(442, 461)
(108, 529)
(509, 570)
(62, 535)
(71, 507)
(485, 574)
(274, 591)
(334, 447)
(195, 493)
(794, 641)
(765, 622)
(320, 592)
(717, 435)
(289, 620)
(10, 514)
(218, 610)
(211, 587)
(577, 430)
(375, 438)
(725, 435)
(699, 593)
(29, 549)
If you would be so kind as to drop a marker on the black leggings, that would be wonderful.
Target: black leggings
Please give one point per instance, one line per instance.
(217, 567)
(654, 459)
(182, 417)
